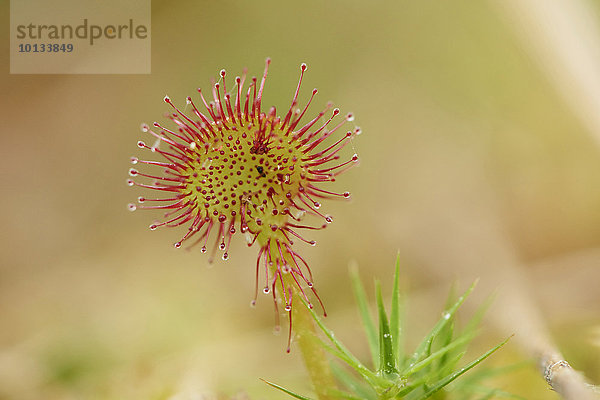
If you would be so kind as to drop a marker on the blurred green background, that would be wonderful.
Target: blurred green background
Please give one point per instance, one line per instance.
(471, 160)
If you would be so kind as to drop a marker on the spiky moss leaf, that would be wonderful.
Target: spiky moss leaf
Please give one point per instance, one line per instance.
(450, 361)
(425, 345)
(446, 380)
(295, 395)
(345, 355)
(438, 355)
(477, 317)
(488, 373)
(365, 315)
(445, 337)
(420, 384)
(353, 384)
(387, 359)
(395, 320)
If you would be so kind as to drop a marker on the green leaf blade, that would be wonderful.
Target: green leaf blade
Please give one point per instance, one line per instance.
(425, 345)
(287, 391)
(367, 321)
(448, 379)
(387, 359)
(395, 319)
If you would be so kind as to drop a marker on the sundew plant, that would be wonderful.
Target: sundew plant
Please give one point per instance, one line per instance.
(225, 165)
(234, 168)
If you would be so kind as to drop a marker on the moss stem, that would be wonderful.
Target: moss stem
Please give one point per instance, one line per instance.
(315, 357)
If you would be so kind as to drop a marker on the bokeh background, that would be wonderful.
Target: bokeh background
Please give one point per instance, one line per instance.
(480, 154)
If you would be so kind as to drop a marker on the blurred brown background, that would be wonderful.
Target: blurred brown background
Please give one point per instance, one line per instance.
(480, 152)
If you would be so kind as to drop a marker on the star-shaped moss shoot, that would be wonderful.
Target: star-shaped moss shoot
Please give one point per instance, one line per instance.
(234, 168)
